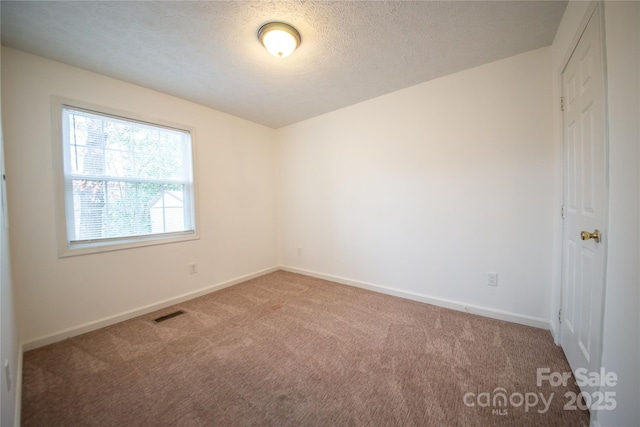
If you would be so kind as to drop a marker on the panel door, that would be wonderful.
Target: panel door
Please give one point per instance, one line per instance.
(584, 201)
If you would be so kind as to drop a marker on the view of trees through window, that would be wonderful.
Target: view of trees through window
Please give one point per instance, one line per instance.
(124, 178)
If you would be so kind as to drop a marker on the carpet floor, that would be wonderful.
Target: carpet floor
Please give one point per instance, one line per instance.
(290, 350)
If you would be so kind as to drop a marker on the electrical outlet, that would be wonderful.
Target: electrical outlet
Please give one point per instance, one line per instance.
(193, 268)
(299, 251)
(492, 279)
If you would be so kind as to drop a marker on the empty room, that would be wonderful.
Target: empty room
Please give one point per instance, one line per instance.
(330, 213)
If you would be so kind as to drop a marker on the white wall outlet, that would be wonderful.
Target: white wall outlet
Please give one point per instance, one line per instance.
(299, 251)
(193, 268)
(492, 278)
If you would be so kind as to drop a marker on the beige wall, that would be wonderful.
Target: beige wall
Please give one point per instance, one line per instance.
(423, 191)
(235, 176)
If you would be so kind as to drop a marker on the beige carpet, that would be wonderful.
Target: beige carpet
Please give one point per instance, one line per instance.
(290, 350)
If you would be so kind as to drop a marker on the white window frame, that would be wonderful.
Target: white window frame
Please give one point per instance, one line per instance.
(67, 248)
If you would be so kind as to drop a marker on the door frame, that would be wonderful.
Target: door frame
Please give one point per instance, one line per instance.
(594, 9)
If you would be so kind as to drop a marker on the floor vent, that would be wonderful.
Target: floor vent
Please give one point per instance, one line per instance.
(168, 316)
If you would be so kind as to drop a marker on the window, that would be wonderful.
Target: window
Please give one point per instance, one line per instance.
(125, 183)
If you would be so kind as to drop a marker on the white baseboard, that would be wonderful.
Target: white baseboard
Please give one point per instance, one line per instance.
(440, 302)
(107, 321)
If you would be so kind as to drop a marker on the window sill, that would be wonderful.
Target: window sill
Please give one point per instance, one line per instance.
(69, 250)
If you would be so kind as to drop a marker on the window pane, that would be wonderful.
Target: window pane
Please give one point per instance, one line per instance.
(167, 214)
(119, 163)
(88, 203)
(102, 145)
(115, 209)
(125, 178)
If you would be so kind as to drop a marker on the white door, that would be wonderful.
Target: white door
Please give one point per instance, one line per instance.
(585, 201)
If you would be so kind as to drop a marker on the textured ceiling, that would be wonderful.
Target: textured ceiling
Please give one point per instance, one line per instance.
(208, 52)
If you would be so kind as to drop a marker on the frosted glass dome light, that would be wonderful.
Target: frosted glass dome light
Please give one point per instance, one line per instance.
(279, 39)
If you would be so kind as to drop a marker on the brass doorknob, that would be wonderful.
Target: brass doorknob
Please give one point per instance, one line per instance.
(585, 235)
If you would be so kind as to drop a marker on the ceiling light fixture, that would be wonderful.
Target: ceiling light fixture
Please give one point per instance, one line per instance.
(279, 38)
